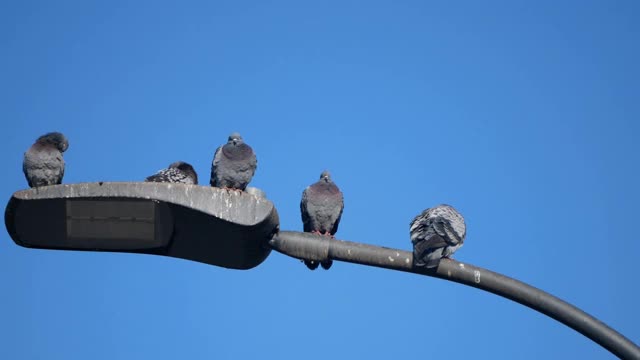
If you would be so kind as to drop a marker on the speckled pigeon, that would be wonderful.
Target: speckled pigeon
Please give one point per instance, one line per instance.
(321, 208)
(233, 164)
(178, 172)
(436, 233)
(43, 163)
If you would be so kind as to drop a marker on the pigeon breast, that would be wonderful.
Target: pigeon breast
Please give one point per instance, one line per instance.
(321, 207)
(233, 166)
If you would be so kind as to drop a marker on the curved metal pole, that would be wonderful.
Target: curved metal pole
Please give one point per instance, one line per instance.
(316, 247)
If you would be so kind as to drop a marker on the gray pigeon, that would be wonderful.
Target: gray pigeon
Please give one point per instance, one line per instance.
(436, 233)
(178, 172)
(233, 164)
(321, 208)
(43, 164)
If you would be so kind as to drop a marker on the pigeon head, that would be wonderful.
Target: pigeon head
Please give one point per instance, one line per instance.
(325, 176)
(56, 139)
(186, 168)
(235, 139)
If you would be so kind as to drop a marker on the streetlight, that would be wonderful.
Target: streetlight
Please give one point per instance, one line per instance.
(205, 224)
(237, 230)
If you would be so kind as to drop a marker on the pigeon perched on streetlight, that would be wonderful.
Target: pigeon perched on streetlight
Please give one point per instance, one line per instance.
(178, 172)
(233, 164)
(321, 208)
(43, 163)
(436, 233)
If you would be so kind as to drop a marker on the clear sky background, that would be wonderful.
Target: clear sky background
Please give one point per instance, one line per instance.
(521, 114)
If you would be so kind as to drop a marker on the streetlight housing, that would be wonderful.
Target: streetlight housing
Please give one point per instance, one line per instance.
(226, 228)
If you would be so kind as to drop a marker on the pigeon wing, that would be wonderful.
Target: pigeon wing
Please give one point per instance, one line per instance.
(217, 157)
(304, 211)
(62, 166)
(335, 225)
(444, 229)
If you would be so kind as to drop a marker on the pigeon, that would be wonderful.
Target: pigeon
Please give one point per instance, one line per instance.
(43, 163)
(436, 233)
(178, 172)
(321, 208)
(233, 164)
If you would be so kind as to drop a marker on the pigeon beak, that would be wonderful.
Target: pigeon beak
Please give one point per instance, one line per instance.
(235, 141)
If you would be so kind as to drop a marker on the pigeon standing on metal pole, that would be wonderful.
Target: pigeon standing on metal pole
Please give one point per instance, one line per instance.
(178, 172)
(436, 233)
(43, 163)
(234, 164)
(321, 208)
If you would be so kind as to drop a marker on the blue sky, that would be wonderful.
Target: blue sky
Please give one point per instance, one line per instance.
(521, 114)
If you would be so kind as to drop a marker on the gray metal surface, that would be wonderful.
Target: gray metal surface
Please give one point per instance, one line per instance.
(200, 223)
(320, 248)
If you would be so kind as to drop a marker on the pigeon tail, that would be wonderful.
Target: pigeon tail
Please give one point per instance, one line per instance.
(428, 258)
